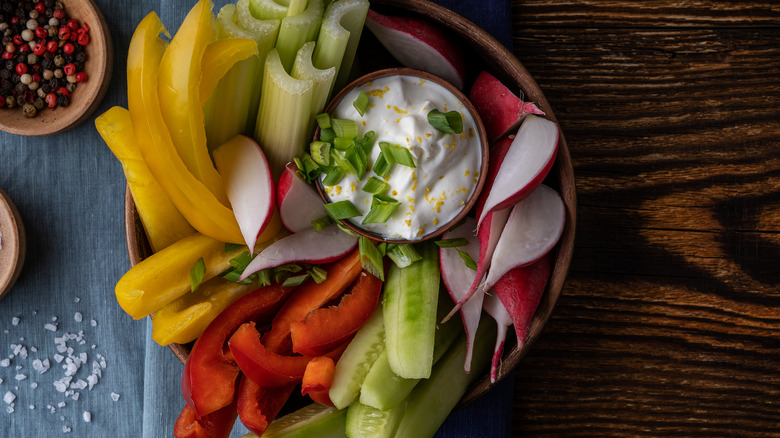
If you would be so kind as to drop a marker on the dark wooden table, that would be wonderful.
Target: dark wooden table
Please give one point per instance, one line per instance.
(669, 322)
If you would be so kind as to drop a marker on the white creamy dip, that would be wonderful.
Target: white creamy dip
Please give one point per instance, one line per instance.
(448, 165)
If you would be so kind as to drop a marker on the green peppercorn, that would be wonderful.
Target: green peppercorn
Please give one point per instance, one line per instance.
(29, 110)
(39, 104)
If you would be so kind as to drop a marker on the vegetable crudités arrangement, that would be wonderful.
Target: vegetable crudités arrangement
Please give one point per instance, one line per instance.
(262, 278)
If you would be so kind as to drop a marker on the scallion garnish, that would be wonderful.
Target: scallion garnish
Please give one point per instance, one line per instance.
(403, 254)
(361, 103)
(343, 143)
(397, 154)
(320, 152)
(344, 128)
(234, 276)
(321, 223)
(382, 207)
(371, 258)
(232, 246)
(308, 169)
(342, 210)
(358, 159)
(366, 142)
(323, 120)
(342, 163)
(318, 274)
(375, 186)
(332, 176)
(470, 263)
(241, 261)
(197, 273)
(327, 135)
(295, 280)
(382, 166)
(263, 277)
(450, 122)
(451, 243)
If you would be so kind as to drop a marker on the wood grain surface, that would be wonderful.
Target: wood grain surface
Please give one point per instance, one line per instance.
(669, 322)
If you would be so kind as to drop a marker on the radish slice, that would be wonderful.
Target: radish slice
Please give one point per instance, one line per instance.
(527, 162)
(499, 108)
(532, 230)
(419, 44)
(457, 277)
(495, 308)
(298, 203)
(307, 246)
(521, 290)
(248, 183)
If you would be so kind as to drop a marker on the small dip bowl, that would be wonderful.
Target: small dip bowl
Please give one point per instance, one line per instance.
(87, 95)
(474, 133)
(12, 243)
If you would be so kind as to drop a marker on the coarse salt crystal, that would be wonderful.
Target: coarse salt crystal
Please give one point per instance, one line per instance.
(75, 395)
(15, 320)
(114, 396)
(5, 363)
(9, 397)
(9, 409)
(20, 377)
(66, 429)
(51, 327)
(76, 300)
(77, 317)
(32, 406)
(87, 416)
(33, 385)
(94, 323)
(61, 404)
(58, 358)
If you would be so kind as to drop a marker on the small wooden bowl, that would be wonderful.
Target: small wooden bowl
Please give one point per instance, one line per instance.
(87, 95)
(12, 243)
(483, 52)
(481, 135)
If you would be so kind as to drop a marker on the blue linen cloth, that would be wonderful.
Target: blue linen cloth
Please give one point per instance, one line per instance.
(71, 361)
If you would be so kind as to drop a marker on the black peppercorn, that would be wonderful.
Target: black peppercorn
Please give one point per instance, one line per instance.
(62, 101)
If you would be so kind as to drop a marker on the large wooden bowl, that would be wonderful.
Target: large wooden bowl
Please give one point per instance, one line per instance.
(484, 53)
(87, 95)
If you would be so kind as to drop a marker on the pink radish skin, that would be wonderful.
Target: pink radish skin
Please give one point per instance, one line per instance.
(307, 246)
(420, 45)
(298, 203)
(521, 290)
(499, 108)
(248, 183)
(525, 165)
(456, 278)
(533, 229)
(495, 308)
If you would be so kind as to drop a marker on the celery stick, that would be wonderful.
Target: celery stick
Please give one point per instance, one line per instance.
(357, 359)
(383, 389)
(267, 9)
(410, 301)
(339, 37)
(296, 7)
(298, 29)
(232, 108)
(366, 422)
(284, 114)
(313, 420)
(323, 81)
(433, 399)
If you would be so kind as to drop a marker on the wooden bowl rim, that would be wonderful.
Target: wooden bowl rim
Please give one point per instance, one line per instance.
(87, 96)
(505, 65)
(481, 135)
(16, 243)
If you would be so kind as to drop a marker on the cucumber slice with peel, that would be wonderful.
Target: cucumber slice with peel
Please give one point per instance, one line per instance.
(314, 420)
(366, 422)
(356, 361)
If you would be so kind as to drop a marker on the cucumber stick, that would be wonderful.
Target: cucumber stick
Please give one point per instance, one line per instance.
(357, 359)
(432, 400)
(410, 300)
(366, 422)
(383, 389)
(313, 420)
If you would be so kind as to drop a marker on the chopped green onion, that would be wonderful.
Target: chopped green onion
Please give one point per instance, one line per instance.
(451, 243)
(241, 261)
(343, 143)
(323, 120)
(450, 122)
(375, 186)
(342, 210)
(361, 103)
(320, 152)
(342, 163)
(371, 258)
(346, 230)
(332, 176)
(295, 280)
(470, 263)
(397, 154)
(229, 247)
(321, 223)
(308, 169)
(358, 159)
(234, 276)
(403, 254)
(263, 277)
(197, 273)
(366, 142)
(344, 127)
(382, 166)
(327, 134)
(382, 247)
(318, 274)
(382, 207)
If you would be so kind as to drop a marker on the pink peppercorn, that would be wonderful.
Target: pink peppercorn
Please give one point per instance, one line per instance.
(52, 46)
(21, 68)
(83, 39)
(81, 77)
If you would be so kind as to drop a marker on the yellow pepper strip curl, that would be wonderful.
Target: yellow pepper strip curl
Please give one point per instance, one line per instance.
(179, 91)
(165, 275)
(161, 220)
(203, 210)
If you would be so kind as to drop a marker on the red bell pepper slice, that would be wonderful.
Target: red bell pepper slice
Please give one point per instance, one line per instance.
(210, 372)
(262, 365)
(258, 405)
(217, 424)
(324, 329)
(310, 296)
(318, 378)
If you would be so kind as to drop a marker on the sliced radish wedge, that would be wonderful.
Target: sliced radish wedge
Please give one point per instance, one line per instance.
(419, 44)
(298, 202)
(457, 278)
(499, 108)
(521, 290)
(495, 308)
(307, 246)
(525, 165)
(248, 183)
(532, 230)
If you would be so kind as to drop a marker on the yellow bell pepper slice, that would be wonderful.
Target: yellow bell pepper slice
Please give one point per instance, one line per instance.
(165, 275)
(162, 221)
(184, 319)
(219, 57)
(179, 91)
(203, 210)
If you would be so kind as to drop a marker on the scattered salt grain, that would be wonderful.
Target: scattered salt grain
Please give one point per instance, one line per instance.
(20, 377)
(9, 409)
(61, 404)
(87, 416)
(50, 327)
(9, 397)
(15, 320)
(32, 406)
(58, 358)
(5, 363)
(114, 396)
(94, 323)
(41, 366)
(65, 429)
(77, 317)
(76, 300)
(33, 385)
(75, 396)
